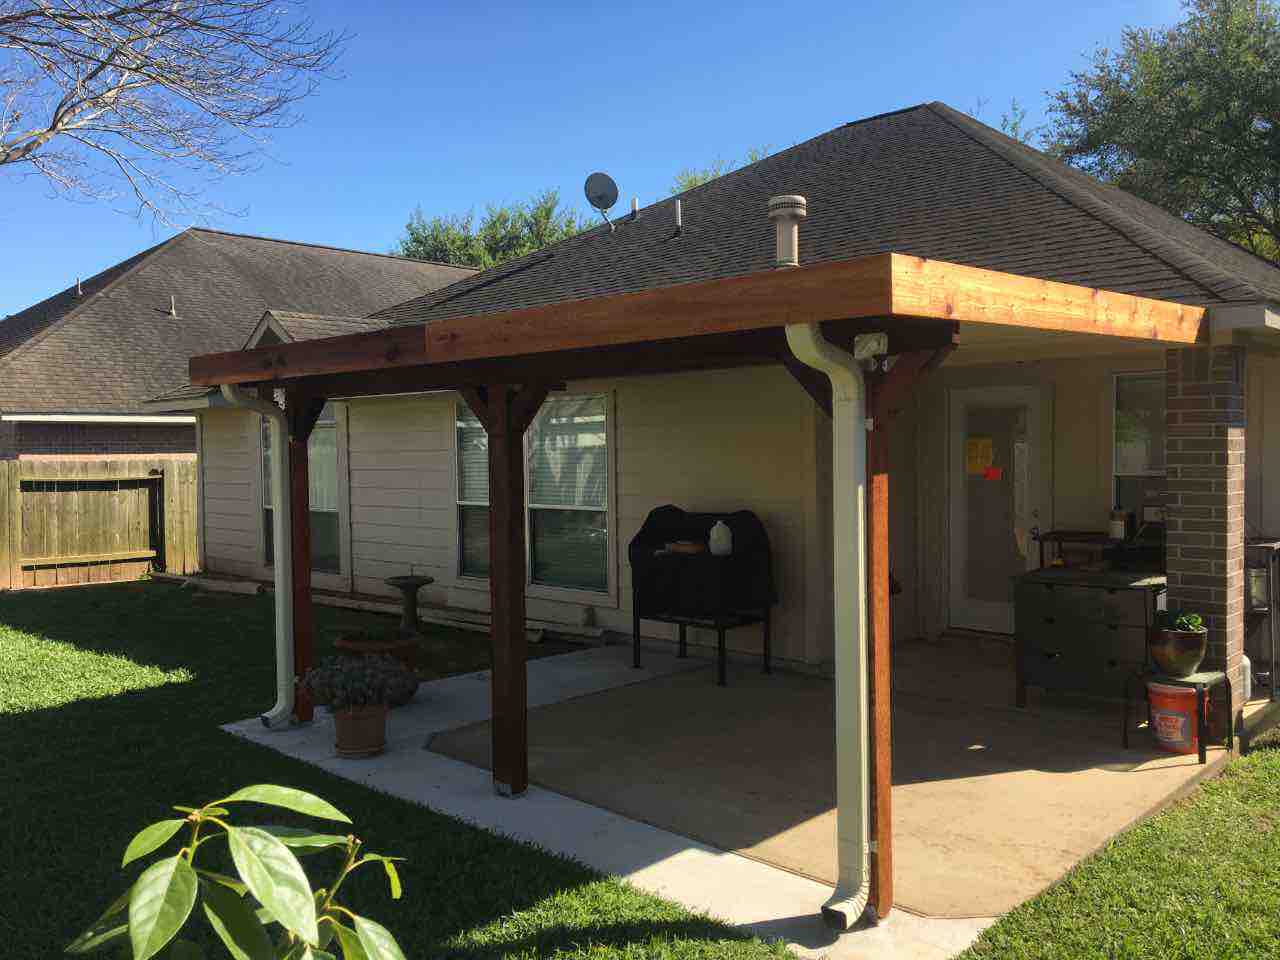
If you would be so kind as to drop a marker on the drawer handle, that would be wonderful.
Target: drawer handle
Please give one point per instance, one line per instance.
(1113, 626)
(1112, 664)
(1052, 655)
(1050, 619)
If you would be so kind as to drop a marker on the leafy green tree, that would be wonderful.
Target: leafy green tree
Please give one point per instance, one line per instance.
(1187, 117)
(503, 233)
(691, 177)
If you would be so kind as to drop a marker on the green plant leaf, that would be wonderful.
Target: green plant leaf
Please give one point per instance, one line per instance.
(229, 882)
(159, 904)
(273, 875)
(377, 940)
(389, 865)
(233, 920)
(352, 948)
(304, 842)
(150, 839)
(109, 927)
(297, 800)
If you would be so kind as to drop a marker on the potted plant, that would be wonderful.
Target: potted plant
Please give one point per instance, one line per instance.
(1178, 642)
(358, 692)
(363, 643)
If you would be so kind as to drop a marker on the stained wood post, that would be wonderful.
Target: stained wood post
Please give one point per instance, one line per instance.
(506, 412)
(302, 412)
(880, 651)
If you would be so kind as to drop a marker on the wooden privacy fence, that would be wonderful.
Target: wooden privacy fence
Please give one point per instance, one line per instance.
(88, 521)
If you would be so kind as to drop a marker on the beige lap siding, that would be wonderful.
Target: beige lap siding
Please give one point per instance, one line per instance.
(402, 503)
(232, 492)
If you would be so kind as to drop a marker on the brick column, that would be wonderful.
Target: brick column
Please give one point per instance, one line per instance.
(1204, 451)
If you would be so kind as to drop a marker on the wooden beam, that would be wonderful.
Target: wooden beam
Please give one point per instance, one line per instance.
(379, 350)
(886, 285)
(887, 394)
(506, 412)
(950, 291)
(301, 411)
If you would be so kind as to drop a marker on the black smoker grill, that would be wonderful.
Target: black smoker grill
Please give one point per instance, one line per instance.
(701, 589)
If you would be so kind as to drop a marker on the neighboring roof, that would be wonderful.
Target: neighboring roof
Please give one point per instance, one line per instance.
(115, 345)
(927, 180)
(311, 326)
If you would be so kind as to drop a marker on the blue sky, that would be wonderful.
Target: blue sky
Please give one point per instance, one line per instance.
(450, 106)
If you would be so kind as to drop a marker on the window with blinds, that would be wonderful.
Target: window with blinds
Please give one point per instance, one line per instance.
(322, 472)
(566, 456)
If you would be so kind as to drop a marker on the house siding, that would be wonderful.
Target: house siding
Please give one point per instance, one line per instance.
(232, 492)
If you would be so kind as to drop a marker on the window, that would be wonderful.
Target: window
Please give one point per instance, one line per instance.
(322, 471)
(566, 457)
(1139, 440)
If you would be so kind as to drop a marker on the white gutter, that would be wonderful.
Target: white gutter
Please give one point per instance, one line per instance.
(849, 595)
(282, 567)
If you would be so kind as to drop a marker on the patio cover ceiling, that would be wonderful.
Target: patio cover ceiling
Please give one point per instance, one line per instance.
(726, 322)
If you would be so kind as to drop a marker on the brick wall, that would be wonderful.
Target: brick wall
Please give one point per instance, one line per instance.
(1204, 450)
(99, 439)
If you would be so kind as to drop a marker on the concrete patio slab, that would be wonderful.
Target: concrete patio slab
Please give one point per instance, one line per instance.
(772, 903)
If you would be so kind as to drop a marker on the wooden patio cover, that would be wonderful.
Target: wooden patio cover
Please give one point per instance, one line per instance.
(505, 364)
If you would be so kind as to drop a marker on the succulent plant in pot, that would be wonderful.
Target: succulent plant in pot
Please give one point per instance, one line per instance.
(358, 692)
(1178, 642)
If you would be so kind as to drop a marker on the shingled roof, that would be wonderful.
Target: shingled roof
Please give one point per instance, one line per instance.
(114, 345)
(927, 180)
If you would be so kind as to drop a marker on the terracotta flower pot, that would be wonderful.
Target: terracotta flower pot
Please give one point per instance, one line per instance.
(1178, 653)
(361, 731)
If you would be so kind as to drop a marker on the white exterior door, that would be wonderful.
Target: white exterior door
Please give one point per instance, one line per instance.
(993, 462)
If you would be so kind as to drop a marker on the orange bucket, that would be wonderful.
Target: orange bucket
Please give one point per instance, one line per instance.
(1173, 713)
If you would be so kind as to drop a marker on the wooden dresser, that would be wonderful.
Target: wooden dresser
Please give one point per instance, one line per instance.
(1083, 631)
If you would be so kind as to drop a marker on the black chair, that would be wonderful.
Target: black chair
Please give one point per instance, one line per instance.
(701, 589)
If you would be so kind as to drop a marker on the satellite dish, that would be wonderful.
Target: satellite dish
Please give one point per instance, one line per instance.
(602, 192)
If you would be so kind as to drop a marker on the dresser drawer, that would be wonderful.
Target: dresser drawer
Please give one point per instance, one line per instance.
(1082, 604)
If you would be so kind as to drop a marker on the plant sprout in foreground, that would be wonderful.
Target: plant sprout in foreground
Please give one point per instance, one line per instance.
(269, 912)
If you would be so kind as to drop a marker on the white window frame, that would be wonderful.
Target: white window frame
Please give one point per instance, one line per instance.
(323, 579)
(1111, 434)
(604, 598)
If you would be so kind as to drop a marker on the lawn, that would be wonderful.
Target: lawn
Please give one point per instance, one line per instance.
(110, 701)
(1201, 881)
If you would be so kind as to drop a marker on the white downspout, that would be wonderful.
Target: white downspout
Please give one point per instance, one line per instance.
(849, 595)
(282, 549)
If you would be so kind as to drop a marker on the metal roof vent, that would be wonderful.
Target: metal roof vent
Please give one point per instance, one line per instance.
(786, 212)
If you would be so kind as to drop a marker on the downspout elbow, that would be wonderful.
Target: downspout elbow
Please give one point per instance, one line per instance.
(281, 714)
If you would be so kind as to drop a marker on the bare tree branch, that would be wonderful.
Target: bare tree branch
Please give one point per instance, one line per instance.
(145, 99)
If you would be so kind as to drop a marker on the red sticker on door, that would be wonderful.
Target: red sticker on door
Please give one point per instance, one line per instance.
(993, 473)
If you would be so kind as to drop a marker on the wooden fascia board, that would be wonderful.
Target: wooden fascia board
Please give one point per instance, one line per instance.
(948, 291)
(881, 286)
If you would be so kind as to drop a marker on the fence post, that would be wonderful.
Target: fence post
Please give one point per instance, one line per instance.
(6, 563)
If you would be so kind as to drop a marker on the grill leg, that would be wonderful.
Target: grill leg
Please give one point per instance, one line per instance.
(635, 634)
(768, 642)
(684, 643)
(720, 660)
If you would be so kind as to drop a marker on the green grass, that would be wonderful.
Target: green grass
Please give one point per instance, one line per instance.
(110, 701)
(1201, 880)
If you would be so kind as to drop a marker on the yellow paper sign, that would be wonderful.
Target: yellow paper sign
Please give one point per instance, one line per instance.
(979, 454)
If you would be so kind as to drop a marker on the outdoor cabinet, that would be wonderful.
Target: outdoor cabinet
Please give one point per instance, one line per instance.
(1083, 631)
(701, 589)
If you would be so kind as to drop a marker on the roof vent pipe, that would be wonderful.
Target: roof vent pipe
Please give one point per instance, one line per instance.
(79, 289)
(786, 212)
(173, 306)
(679, 217)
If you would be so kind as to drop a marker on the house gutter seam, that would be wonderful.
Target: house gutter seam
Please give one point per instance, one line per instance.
(281, 714)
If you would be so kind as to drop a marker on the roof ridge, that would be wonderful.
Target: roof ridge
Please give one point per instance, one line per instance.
(43, 334)
(1208, 275)
(327, 246)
